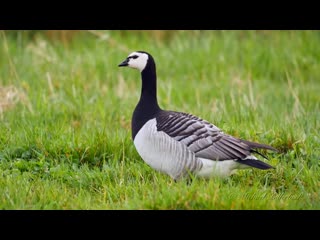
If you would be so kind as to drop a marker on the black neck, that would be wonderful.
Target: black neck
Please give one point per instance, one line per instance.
(149, 87)
(148, 106)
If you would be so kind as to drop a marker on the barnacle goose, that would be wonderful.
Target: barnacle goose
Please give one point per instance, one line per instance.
(178, 143)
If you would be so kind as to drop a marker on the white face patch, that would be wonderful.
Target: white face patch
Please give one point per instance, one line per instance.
(138, 60)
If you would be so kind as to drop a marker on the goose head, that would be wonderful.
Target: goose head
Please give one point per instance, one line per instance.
(137, 60)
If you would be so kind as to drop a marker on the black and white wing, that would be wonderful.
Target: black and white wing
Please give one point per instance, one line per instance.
(203, 138)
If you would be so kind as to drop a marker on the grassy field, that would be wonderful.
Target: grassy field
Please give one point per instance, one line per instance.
(65, 112)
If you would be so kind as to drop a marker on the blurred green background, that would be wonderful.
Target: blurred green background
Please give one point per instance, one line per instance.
(65, 111)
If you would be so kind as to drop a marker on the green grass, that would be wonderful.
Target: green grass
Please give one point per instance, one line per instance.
(66, 143)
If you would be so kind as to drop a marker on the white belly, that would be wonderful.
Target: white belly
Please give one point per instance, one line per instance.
(220, 168)
(217, 168)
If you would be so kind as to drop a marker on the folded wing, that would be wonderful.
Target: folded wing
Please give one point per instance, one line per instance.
(203, 138)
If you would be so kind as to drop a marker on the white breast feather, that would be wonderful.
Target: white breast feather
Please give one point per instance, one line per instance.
(162, 152)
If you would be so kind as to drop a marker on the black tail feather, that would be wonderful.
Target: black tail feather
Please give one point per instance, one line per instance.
(255, 163)
(258, 145)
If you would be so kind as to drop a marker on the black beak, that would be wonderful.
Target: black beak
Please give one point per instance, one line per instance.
(124, 63)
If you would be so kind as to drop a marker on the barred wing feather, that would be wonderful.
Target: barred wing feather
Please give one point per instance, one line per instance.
(203, 138)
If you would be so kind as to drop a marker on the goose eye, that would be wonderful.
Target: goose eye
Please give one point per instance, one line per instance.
(134, 56)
